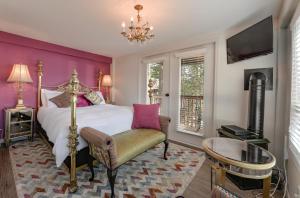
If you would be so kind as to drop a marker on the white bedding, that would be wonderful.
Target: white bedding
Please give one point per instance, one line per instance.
(109, 119)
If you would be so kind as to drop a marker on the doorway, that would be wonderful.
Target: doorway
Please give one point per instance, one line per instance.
(183, 86)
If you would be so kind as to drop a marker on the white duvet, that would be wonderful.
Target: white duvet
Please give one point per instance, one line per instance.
(109, 119)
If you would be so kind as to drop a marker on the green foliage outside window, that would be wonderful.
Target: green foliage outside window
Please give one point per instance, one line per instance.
(156, 73)
(192, 79)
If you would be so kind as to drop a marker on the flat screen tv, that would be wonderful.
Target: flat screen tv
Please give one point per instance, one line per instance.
(255, 41)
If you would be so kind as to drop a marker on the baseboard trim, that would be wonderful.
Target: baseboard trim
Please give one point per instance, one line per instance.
(186, 145)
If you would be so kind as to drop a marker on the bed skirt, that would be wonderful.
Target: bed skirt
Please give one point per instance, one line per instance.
(82, 155)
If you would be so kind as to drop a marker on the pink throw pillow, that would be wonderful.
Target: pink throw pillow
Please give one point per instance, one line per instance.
(82, 101)
(146, 116)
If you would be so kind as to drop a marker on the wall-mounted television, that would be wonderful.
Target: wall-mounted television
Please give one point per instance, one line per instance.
(255, 41)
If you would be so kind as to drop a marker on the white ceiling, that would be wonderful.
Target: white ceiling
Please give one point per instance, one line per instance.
(95, 25)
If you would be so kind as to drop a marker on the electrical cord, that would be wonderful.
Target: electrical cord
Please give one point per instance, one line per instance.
(286, 181)
(273, 191)
(279, 178)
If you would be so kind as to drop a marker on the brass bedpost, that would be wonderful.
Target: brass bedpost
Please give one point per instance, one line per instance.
(40, 75)
(73, 136)
(100, 79)
(150, 90)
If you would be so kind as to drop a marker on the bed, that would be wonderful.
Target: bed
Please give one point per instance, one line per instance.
(61, 126)
(55, 122)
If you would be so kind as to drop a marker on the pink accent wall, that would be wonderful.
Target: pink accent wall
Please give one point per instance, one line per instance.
(59, 63)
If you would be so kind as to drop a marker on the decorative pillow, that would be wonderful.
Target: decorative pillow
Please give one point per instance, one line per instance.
(82, 101)
(101, 96)
(93, 97)
(146, 116)
(62, 100)
(47, 95)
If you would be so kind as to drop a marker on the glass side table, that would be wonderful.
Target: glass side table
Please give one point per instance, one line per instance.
(18, 123)
(240, 158)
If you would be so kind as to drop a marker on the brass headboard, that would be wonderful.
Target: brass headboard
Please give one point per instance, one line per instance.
(66, 86)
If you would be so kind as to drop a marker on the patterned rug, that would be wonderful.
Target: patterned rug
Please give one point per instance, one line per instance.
(148, 175)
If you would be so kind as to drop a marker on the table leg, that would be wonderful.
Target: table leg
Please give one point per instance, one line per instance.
(267, 187)
(220, 176)
(211, 178)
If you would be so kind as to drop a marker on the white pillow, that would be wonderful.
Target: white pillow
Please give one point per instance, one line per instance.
(47, 95)
(101, 96)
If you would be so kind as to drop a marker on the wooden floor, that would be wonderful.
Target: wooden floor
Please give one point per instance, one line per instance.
(7, 183)
(198, 188)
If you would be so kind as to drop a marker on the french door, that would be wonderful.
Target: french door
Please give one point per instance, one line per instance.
(157, 70)
(183, 85)
(193, 73)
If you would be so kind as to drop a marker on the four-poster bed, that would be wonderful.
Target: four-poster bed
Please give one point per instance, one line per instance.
(74, 87)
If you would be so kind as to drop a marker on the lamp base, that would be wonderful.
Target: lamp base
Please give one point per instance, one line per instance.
(20, 104)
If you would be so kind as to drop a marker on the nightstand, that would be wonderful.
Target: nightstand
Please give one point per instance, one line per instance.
(19, 123)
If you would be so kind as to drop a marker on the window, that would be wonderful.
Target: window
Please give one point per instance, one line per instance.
(155, 72)
(191, 94)
(294, 128)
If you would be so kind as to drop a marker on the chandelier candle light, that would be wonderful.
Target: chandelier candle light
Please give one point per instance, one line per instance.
(138, 32)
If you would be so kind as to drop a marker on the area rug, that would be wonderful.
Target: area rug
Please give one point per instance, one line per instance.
(148, 175)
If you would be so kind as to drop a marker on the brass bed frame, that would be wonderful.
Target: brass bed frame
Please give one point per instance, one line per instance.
(74, 87)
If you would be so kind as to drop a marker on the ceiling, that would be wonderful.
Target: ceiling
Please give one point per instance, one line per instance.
(95, 25)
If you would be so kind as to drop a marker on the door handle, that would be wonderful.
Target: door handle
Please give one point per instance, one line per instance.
(167, 94)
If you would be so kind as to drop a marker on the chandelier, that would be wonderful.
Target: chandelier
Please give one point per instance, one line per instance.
(139, 32)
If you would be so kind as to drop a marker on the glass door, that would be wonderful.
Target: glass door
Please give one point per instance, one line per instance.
(184, 88)
(191, 99)
(192, 93)
(158, 72)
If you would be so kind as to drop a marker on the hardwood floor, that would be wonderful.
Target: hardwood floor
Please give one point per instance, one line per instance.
(198, 188)
(7, 183)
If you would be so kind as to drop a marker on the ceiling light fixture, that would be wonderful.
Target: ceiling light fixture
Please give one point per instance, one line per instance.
(137, 32)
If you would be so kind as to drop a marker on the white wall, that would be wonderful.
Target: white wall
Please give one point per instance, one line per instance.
(293, 172)
(230, 103)
(126, 77)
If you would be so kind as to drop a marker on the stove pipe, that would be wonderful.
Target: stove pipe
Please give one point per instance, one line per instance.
(257, 85)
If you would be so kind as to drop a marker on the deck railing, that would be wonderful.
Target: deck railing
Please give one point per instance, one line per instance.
(191, 113)
(191, 109)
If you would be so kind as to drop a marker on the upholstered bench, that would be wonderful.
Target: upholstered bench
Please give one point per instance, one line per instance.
(113, 151)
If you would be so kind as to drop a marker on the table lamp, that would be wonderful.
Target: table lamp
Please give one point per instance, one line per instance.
(20, 75)
(107, 83)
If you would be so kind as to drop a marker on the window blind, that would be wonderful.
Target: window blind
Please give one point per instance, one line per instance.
(192, 60)
(294, 128)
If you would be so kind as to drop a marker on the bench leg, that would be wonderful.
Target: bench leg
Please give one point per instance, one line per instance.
(90, 164)
(166, 149)
(112, 174)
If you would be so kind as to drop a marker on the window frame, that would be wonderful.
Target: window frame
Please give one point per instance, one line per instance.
(295, 29)
(179, 56)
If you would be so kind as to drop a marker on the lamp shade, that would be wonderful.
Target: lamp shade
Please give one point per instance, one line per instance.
(106, 81)
(19, 73)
